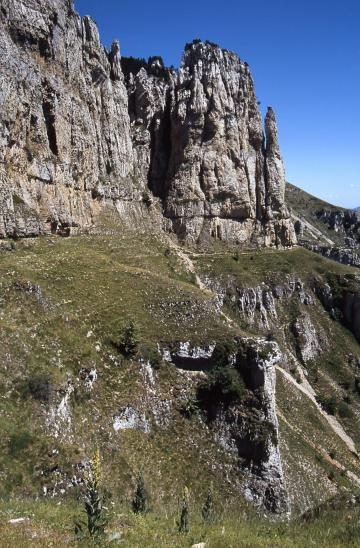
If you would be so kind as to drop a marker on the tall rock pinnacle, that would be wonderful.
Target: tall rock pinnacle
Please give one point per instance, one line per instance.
(274, 167)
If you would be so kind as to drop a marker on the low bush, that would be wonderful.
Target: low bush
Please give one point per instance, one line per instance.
(328, 403)
(223, 385)
(128, 340)
(140, 501)
(344, 410)
(38, 387)
(19, 442)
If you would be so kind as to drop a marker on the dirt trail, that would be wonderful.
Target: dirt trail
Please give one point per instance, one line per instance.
(353, 477)
(190, 267)
(307, 389)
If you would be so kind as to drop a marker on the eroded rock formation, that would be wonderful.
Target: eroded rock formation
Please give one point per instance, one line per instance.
(73, 136)
(64, 125)
(201, 131)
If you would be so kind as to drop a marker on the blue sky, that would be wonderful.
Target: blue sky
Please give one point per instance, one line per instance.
(305, 59)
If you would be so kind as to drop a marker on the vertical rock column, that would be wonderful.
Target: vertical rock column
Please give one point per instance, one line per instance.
(274, 169)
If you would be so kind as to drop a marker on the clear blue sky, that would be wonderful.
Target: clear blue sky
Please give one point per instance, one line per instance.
(305, 59)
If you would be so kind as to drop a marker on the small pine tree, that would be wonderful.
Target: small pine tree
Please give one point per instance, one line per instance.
(140, 500)
(208, 510)
(129, 339)
(183, 523)
(94, 508)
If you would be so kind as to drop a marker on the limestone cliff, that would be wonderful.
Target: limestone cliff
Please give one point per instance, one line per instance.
(64, 126)
(73, 137)
(207, 158)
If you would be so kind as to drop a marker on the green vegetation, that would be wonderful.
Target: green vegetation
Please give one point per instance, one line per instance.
(183, 523)
(334, 525)
(39, 387)
(208, 510)
(223, 385)
(94, 508)
(128, 341)
(328, 403)
(140, 501)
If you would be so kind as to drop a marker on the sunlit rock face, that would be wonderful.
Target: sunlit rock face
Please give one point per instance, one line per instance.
(79, 127)
(64, 126)
(202, 136)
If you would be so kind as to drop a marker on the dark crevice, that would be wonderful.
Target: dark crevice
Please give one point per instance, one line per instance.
(44, 48)
(63, 229)
(160, 152)
(48, 107)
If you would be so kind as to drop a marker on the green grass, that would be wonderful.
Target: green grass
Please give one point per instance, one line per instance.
(269, 265)
(49, 524)
(91, 286)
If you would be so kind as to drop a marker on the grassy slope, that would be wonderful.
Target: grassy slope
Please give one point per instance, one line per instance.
(334, 525)
(91, 285)
(305, 206)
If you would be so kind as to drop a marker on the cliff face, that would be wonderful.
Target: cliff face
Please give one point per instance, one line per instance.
(206, 149)
(64, 125)
(72, 136)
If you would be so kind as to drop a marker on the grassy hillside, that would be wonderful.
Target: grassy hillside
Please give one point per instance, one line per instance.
(306, 206)
(64, 304)
(49, 524)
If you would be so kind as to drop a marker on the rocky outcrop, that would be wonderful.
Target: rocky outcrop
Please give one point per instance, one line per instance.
(73, 137)
(341, 255)
(344, 222)
(247, 427)
(342, 300)
(64, 127)
(200, 131)
(252, 431)
(259, 305)
(310, 342)
(351, 312)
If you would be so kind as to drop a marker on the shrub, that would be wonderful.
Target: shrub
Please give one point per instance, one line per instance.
(128, 341)
(140, 501)
(222, 353)
(344, 410)
(208, 510)
(357, 385)
(223, 385)
(152, 355)
(183, 523)
(94, 508)
(19, 442)
(328, 403)
(39, 387)
(190, 408)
